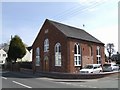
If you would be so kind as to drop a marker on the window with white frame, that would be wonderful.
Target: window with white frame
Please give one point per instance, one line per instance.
(4, 55)
(98, 55)
(77, 55)
(58, 54)
(46, 45)
(37, 56)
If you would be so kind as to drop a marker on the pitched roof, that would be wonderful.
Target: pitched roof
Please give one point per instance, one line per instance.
(29, 48)
(73, 32)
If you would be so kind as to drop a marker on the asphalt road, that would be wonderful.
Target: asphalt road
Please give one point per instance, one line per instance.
(22, 80)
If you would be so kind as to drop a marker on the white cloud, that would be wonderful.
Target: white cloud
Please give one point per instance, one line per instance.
(107, 35)
(92, 9)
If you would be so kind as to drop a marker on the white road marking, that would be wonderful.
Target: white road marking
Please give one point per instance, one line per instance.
(21, 84)
(45, 78)
(4, 77)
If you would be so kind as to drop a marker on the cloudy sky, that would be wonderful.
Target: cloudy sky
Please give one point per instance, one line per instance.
(25, 19)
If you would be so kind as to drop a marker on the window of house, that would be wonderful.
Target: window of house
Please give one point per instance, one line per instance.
(46, 45)
(77, 55)
(98, 55)
(37, 56)
(58, 54)
(4, 55)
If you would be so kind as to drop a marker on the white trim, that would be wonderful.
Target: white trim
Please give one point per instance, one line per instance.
(77, 57)
(46, 45)
(57, 54)
(98, 55)
(37, 57)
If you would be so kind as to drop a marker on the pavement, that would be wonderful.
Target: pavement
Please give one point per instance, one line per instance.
(25, 80)
(58, 75)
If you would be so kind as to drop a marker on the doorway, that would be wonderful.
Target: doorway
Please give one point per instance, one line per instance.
(46, 64)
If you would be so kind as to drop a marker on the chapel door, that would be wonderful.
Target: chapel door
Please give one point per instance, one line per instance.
(46, 63)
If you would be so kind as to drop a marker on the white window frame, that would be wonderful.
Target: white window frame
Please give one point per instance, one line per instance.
(58, 54)
(98, 55)
(46, 45)
(77, 56)
(37, 56)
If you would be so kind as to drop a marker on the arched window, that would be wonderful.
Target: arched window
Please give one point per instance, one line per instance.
(77, 55)
(98, 55)
(58, 54)
(46, 45)
(37, 56)
(90, 50)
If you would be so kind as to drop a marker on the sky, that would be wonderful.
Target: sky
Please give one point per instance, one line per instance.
(25, 19)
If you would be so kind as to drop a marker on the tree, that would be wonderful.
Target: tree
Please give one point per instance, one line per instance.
(16, 49)
(110, 49)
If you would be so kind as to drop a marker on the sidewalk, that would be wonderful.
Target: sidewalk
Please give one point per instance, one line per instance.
(58, 75)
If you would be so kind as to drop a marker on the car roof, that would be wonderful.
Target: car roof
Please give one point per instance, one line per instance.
(111, 63)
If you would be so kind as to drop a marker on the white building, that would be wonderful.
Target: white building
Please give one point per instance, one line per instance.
(27, 57)
(3, 56)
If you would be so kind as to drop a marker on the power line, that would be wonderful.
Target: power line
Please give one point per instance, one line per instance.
(78, 11)
(66, 12)
(70, 10)
(75, 11)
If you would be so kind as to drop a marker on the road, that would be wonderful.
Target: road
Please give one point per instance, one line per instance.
(22, 80)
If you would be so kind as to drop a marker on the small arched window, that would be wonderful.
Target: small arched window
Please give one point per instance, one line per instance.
(98, 55)
(37, 56)
(46, 45)
(58, 54)
(77, 55)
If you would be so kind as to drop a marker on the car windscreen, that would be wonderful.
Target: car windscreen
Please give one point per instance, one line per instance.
(88, 67)
(106, 65)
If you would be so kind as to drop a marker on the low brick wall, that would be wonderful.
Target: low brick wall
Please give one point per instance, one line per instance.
(74, 76)
(58, 75)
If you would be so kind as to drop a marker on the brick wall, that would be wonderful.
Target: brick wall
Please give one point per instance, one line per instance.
(54, 37)
(67, 50)
(87, 58)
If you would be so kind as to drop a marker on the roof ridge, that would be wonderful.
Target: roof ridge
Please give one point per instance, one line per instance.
(65, 24)
(74, 32)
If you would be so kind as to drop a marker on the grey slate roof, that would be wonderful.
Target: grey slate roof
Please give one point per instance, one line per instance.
(73, 32)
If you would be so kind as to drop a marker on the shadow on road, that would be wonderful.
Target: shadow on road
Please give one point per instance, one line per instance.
(10, 74)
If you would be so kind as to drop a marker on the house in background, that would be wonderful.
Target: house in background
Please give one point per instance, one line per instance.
(27, 57)
(3, 56)
(62, 48)
(116, 58)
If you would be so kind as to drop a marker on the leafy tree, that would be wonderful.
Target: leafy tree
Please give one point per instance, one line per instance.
(110, 49)
(16, 49)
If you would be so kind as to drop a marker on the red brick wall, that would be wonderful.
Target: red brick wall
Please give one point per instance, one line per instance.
(67, 50)
(54, 37)
(86, 57)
